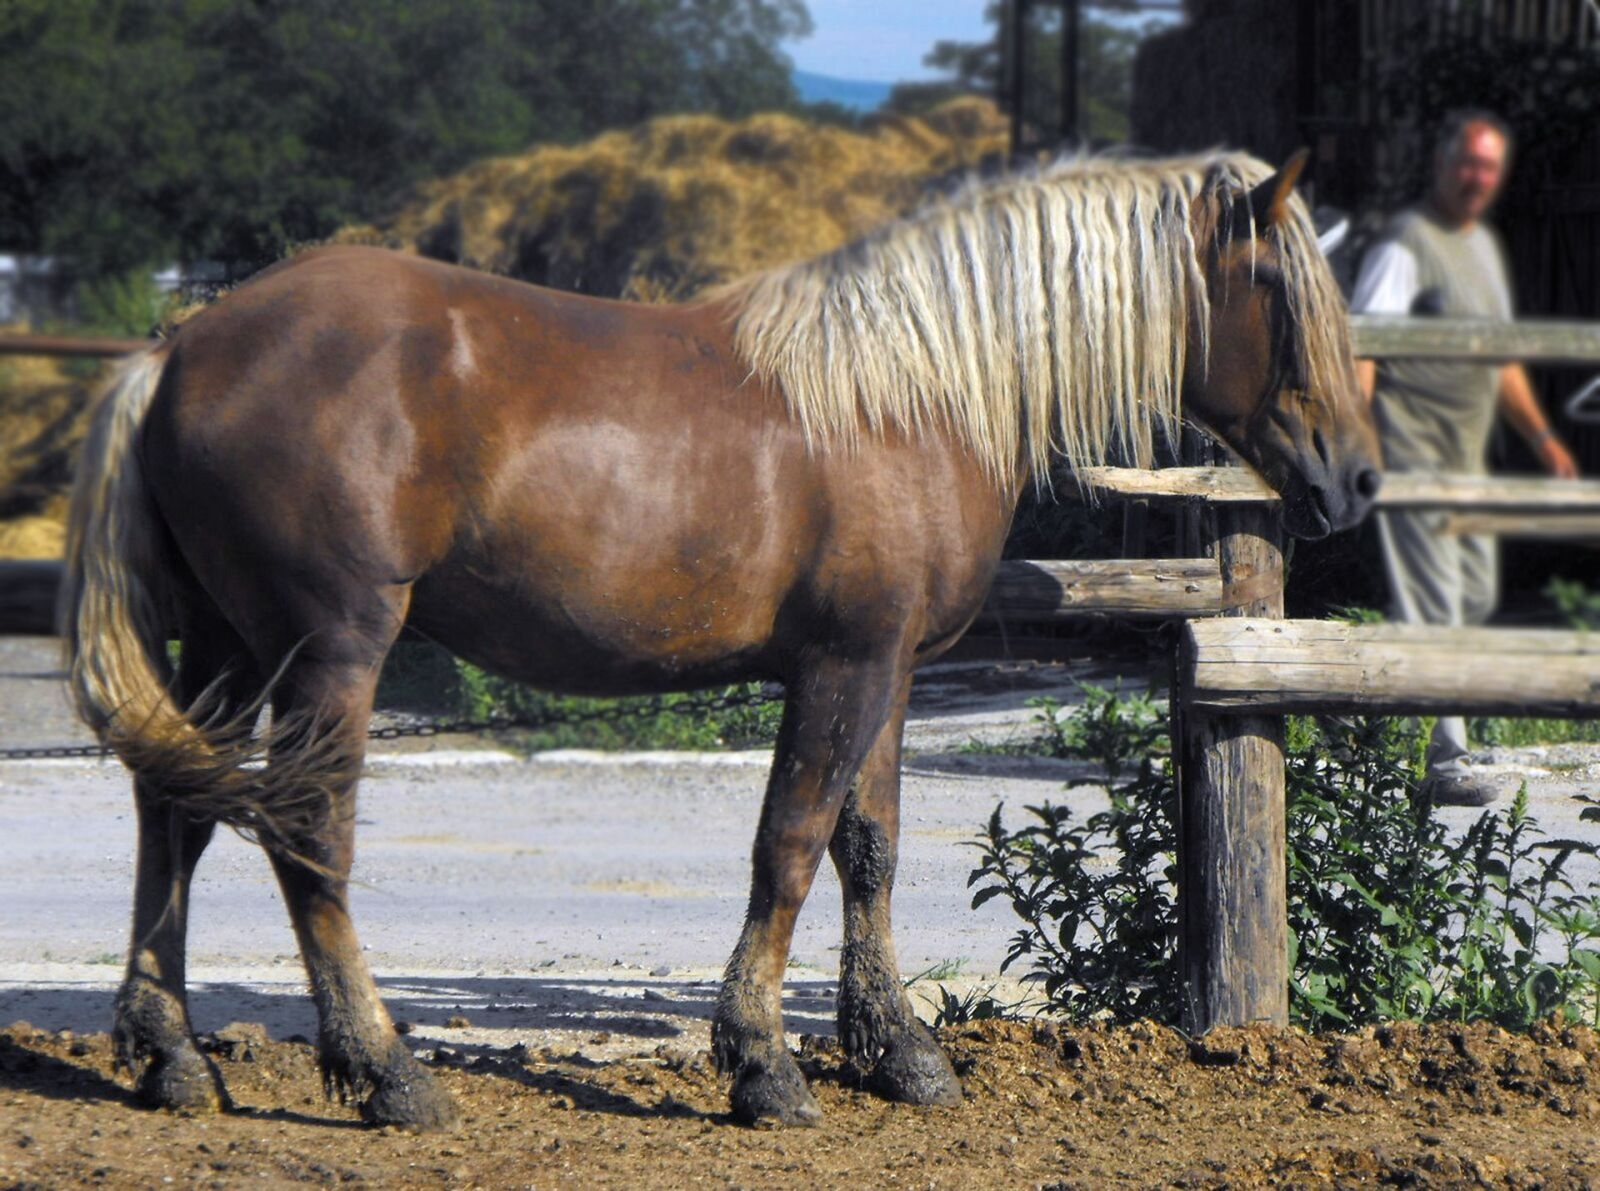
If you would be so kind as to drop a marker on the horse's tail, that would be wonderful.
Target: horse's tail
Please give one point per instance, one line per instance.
(116, 610)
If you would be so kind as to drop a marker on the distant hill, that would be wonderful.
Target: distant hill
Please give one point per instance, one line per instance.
(860, 94)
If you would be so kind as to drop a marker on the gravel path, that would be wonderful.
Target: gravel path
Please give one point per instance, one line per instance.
(562, 891)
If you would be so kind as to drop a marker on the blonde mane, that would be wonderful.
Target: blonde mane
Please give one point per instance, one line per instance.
(1044, 314)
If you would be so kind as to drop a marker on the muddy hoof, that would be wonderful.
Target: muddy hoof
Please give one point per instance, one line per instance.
(913, 1070)
(774, 1095)
(406, 1095)
(185, 1080)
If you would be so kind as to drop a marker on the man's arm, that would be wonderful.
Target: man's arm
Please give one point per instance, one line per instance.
(1387, 285)
(1521, 409)
(1367, 374)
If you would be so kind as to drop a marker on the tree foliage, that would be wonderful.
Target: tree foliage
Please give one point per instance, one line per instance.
(1550, 95)
(133, 131)
(1105, 68)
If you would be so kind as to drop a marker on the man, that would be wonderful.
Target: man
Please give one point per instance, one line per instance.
(1440, 258)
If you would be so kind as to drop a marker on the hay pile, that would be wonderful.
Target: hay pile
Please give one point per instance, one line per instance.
(660, 211)
(44, 408)
(653, 213)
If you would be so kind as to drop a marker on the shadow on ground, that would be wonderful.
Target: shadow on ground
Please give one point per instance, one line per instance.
(637, 1008)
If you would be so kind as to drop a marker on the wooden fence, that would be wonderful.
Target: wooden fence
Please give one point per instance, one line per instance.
(1237, 675)
(1532, 341)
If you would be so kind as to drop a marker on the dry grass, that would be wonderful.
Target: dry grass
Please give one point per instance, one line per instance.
(44, 407)
(663, 210)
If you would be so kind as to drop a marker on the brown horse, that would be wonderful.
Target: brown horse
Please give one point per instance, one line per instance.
(806, 477)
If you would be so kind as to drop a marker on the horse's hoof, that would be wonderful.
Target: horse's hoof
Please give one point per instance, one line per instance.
(184, 1080)
(913, 1070)
(775, 1095)
(407, 1096)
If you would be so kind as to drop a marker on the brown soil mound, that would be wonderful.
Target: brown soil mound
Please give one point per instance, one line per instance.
(662, 210)
(1046, 1106)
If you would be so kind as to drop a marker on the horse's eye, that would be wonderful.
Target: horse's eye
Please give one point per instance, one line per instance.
(1269, 275)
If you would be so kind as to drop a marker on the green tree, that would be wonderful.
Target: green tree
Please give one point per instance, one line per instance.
(1105, 73)
(133, 131)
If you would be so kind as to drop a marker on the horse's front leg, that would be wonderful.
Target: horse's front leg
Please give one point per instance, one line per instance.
(833, 714)
(877, 1025)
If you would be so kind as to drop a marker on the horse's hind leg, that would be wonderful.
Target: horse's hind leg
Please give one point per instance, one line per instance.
(833, 714)
(877, 1026)
(360, 1052)
(152, 1032)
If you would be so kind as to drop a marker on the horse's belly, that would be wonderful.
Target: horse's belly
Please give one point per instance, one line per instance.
(624, 641)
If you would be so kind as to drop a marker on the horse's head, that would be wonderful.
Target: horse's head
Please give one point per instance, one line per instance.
(1271, 370)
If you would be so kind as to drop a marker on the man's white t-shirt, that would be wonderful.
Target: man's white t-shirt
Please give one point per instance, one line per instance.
(1389, 281)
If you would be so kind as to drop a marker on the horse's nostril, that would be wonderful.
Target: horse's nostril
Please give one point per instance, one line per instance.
(1368, 481)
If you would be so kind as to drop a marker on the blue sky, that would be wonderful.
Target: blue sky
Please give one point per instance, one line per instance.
(885, 40)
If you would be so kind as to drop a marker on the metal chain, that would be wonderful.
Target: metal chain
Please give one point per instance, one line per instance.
(619, 713)
(53, 751)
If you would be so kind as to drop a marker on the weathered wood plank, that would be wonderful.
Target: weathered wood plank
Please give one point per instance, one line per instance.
(1561, 527)
(1533, 341)
(13, 343)
(1401, 490)
(1258, 665)
(28, 597)
(1162, 588)
(1488, 494)
(1167, 588)
(1233, 899)
(1374, 336)
(1214, 485)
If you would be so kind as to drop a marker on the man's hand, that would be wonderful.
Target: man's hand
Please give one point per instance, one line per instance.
(1521, 409)
(1556, 459)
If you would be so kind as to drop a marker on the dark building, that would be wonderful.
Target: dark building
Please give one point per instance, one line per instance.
(1363, 83)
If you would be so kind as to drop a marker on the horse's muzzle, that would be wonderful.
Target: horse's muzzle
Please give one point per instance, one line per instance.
(1319, 505)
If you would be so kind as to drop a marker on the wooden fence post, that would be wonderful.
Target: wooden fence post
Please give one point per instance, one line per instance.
(1232, 897)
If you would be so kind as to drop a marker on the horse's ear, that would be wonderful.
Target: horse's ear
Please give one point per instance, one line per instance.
(1270, 199)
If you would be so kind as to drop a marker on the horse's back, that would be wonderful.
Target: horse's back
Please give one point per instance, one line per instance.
(537, 464)
(587, 494)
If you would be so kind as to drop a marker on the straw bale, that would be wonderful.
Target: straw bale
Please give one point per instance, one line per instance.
(682, 202)
(44, 407)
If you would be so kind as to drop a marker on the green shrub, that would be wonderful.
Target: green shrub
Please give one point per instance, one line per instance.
(424, 678)
(1579, 606)
(657, 722)
(1389, 916)
(1521, 731)
(128, 303)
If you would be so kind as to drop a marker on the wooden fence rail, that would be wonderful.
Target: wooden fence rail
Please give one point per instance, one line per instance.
(1025, 592)
(1401, 490)
(1163, 588)
(28, 597)
(1318, 666)
(13, 343)
(1532, 341)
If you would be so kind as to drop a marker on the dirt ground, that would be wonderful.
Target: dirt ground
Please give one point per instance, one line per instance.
(1046, 1106)
(582, 1063)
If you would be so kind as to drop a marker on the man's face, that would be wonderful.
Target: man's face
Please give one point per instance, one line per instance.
(1468, 179)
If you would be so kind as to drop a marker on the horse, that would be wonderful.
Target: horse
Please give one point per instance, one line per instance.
(803, 477)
